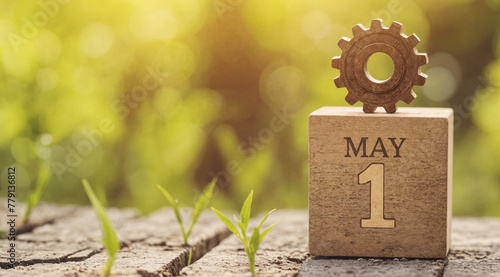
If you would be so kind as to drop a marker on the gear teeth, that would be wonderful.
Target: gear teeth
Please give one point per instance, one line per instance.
(396, 28)
(368, 108)
(391, 108)
(358, 29)
(339, 82)
(343, 43)
(422, 59)
(350, 100)
(336, 62)
(377, 24)
(413, 40)
(421, 79)
(387, 36)
(409, 97)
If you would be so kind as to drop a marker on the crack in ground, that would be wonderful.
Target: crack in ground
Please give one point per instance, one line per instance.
(200, 249)
(67, 257)
(58, 260)
(442, 266)
(38, 241)
(29, 227)
(173, 267)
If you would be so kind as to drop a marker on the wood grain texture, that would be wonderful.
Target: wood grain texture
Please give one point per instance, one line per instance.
(361, 85)
(416, 183)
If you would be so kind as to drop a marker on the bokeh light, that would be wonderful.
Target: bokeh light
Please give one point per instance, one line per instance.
(133, 93)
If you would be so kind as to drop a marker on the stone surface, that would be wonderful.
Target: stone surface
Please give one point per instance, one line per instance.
(475, 248)
(371, 267)
(475, 251)
(151, 245)
(281, 253)
(40, 215)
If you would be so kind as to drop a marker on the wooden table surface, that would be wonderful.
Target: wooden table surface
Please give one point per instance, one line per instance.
(62, 241)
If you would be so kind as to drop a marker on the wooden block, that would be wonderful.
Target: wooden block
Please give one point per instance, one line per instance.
(380, 184)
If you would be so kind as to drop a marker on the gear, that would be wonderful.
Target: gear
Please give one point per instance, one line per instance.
(361, 86)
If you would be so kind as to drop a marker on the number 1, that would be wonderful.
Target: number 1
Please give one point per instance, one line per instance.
(374, 175)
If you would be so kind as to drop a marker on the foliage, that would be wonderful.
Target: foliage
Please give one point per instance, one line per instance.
(190, 255)
(109, 239)
(180, 92)
(200, 205)
(251, 244)
(35, 195)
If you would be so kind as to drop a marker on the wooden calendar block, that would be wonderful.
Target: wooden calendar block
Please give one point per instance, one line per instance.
(380, 184)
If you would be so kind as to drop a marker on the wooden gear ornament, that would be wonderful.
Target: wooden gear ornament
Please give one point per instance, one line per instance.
(361, 85)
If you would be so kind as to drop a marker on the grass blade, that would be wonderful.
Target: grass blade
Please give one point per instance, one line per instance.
(254, 240)
(190, 256)
(251, 249)
(245, 210)
(242, 229)
(35, 195)
(41, 184)
(202, 203)
(251, 245)
(228, 223)
(265, 218)
(174, 205)
(109, 239)
(268, 229)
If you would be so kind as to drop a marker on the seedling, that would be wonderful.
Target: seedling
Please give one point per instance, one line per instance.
(190, 255)
(251, 245)
(35, 195)
(200, 205)
(109, 240)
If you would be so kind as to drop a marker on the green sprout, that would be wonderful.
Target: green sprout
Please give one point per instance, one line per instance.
(251, 245)
(35, 195)
(190, 255)
(200, 205)
(109, 240)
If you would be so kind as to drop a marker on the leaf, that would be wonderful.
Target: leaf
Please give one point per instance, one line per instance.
(268, 229)
(190, 255)
(202, 203)
(228, 223)
(167, 195)
(245, 210)
(41, 184)
(252, 245)
(174, 205)
(242, 228)
(35, 195)
(109, 239)
(265, 218)
(254, 241)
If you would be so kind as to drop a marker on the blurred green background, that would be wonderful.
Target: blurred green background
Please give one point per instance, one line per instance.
(130, 94)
